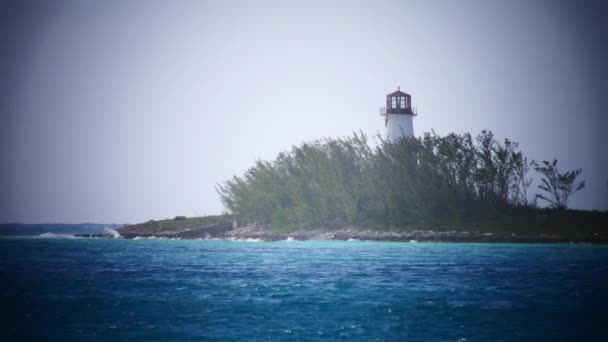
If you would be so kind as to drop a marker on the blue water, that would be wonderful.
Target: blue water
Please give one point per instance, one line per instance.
(98, 289)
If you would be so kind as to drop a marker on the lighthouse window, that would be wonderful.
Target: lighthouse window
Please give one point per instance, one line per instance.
(394, 103)
(403, 102)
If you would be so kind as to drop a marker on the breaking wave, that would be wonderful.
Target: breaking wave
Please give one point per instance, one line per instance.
(49, 235)
(112, 232)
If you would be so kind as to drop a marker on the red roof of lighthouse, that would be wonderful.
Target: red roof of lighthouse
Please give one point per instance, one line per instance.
(399, 102)
(398, 93)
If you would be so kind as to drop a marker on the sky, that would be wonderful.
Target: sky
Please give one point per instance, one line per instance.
(125, 111)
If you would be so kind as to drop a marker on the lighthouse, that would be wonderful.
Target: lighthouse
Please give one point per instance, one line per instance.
(398, 116)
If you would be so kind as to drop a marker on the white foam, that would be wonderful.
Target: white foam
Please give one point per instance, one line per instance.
(241, 240)
(115, 234)
(49, 235)
(289, 238)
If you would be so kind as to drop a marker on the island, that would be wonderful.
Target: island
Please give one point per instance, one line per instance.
(543, 226)
(454, 188)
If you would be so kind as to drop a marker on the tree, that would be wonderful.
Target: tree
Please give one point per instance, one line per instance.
(431, 179)
(558, 186)
(522, 182)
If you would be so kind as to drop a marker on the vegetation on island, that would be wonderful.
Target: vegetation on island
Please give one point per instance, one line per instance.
(558, 187)
(433, 181)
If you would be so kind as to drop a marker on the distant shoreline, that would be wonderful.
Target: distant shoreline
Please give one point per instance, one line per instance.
(529, 226)
(366, 235)
(220, 228)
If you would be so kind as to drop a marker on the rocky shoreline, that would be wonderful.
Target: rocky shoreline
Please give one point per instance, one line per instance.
(226, 231)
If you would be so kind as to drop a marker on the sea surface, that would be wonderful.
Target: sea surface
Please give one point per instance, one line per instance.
(174, 290)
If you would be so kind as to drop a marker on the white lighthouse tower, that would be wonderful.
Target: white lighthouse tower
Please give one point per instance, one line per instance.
(399, 116)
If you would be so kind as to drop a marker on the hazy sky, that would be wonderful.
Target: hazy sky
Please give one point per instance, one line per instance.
(124, 111)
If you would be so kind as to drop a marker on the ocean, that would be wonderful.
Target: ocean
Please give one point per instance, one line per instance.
(174, 290)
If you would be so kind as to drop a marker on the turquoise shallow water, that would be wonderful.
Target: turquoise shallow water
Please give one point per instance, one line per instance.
(97, 289)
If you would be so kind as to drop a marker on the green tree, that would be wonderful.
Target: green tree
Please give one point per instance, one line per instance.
(426, 180)
(522, 182)
(558, 186)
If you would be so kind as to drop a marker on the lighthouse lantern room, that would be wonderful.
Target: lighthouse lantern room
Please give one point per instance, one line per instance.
(399, 115)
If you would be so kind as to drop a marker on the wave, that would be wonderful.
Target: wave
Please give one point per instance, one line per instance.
(243, 240)
(154, 237)
(112, 232)
(49, 235)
